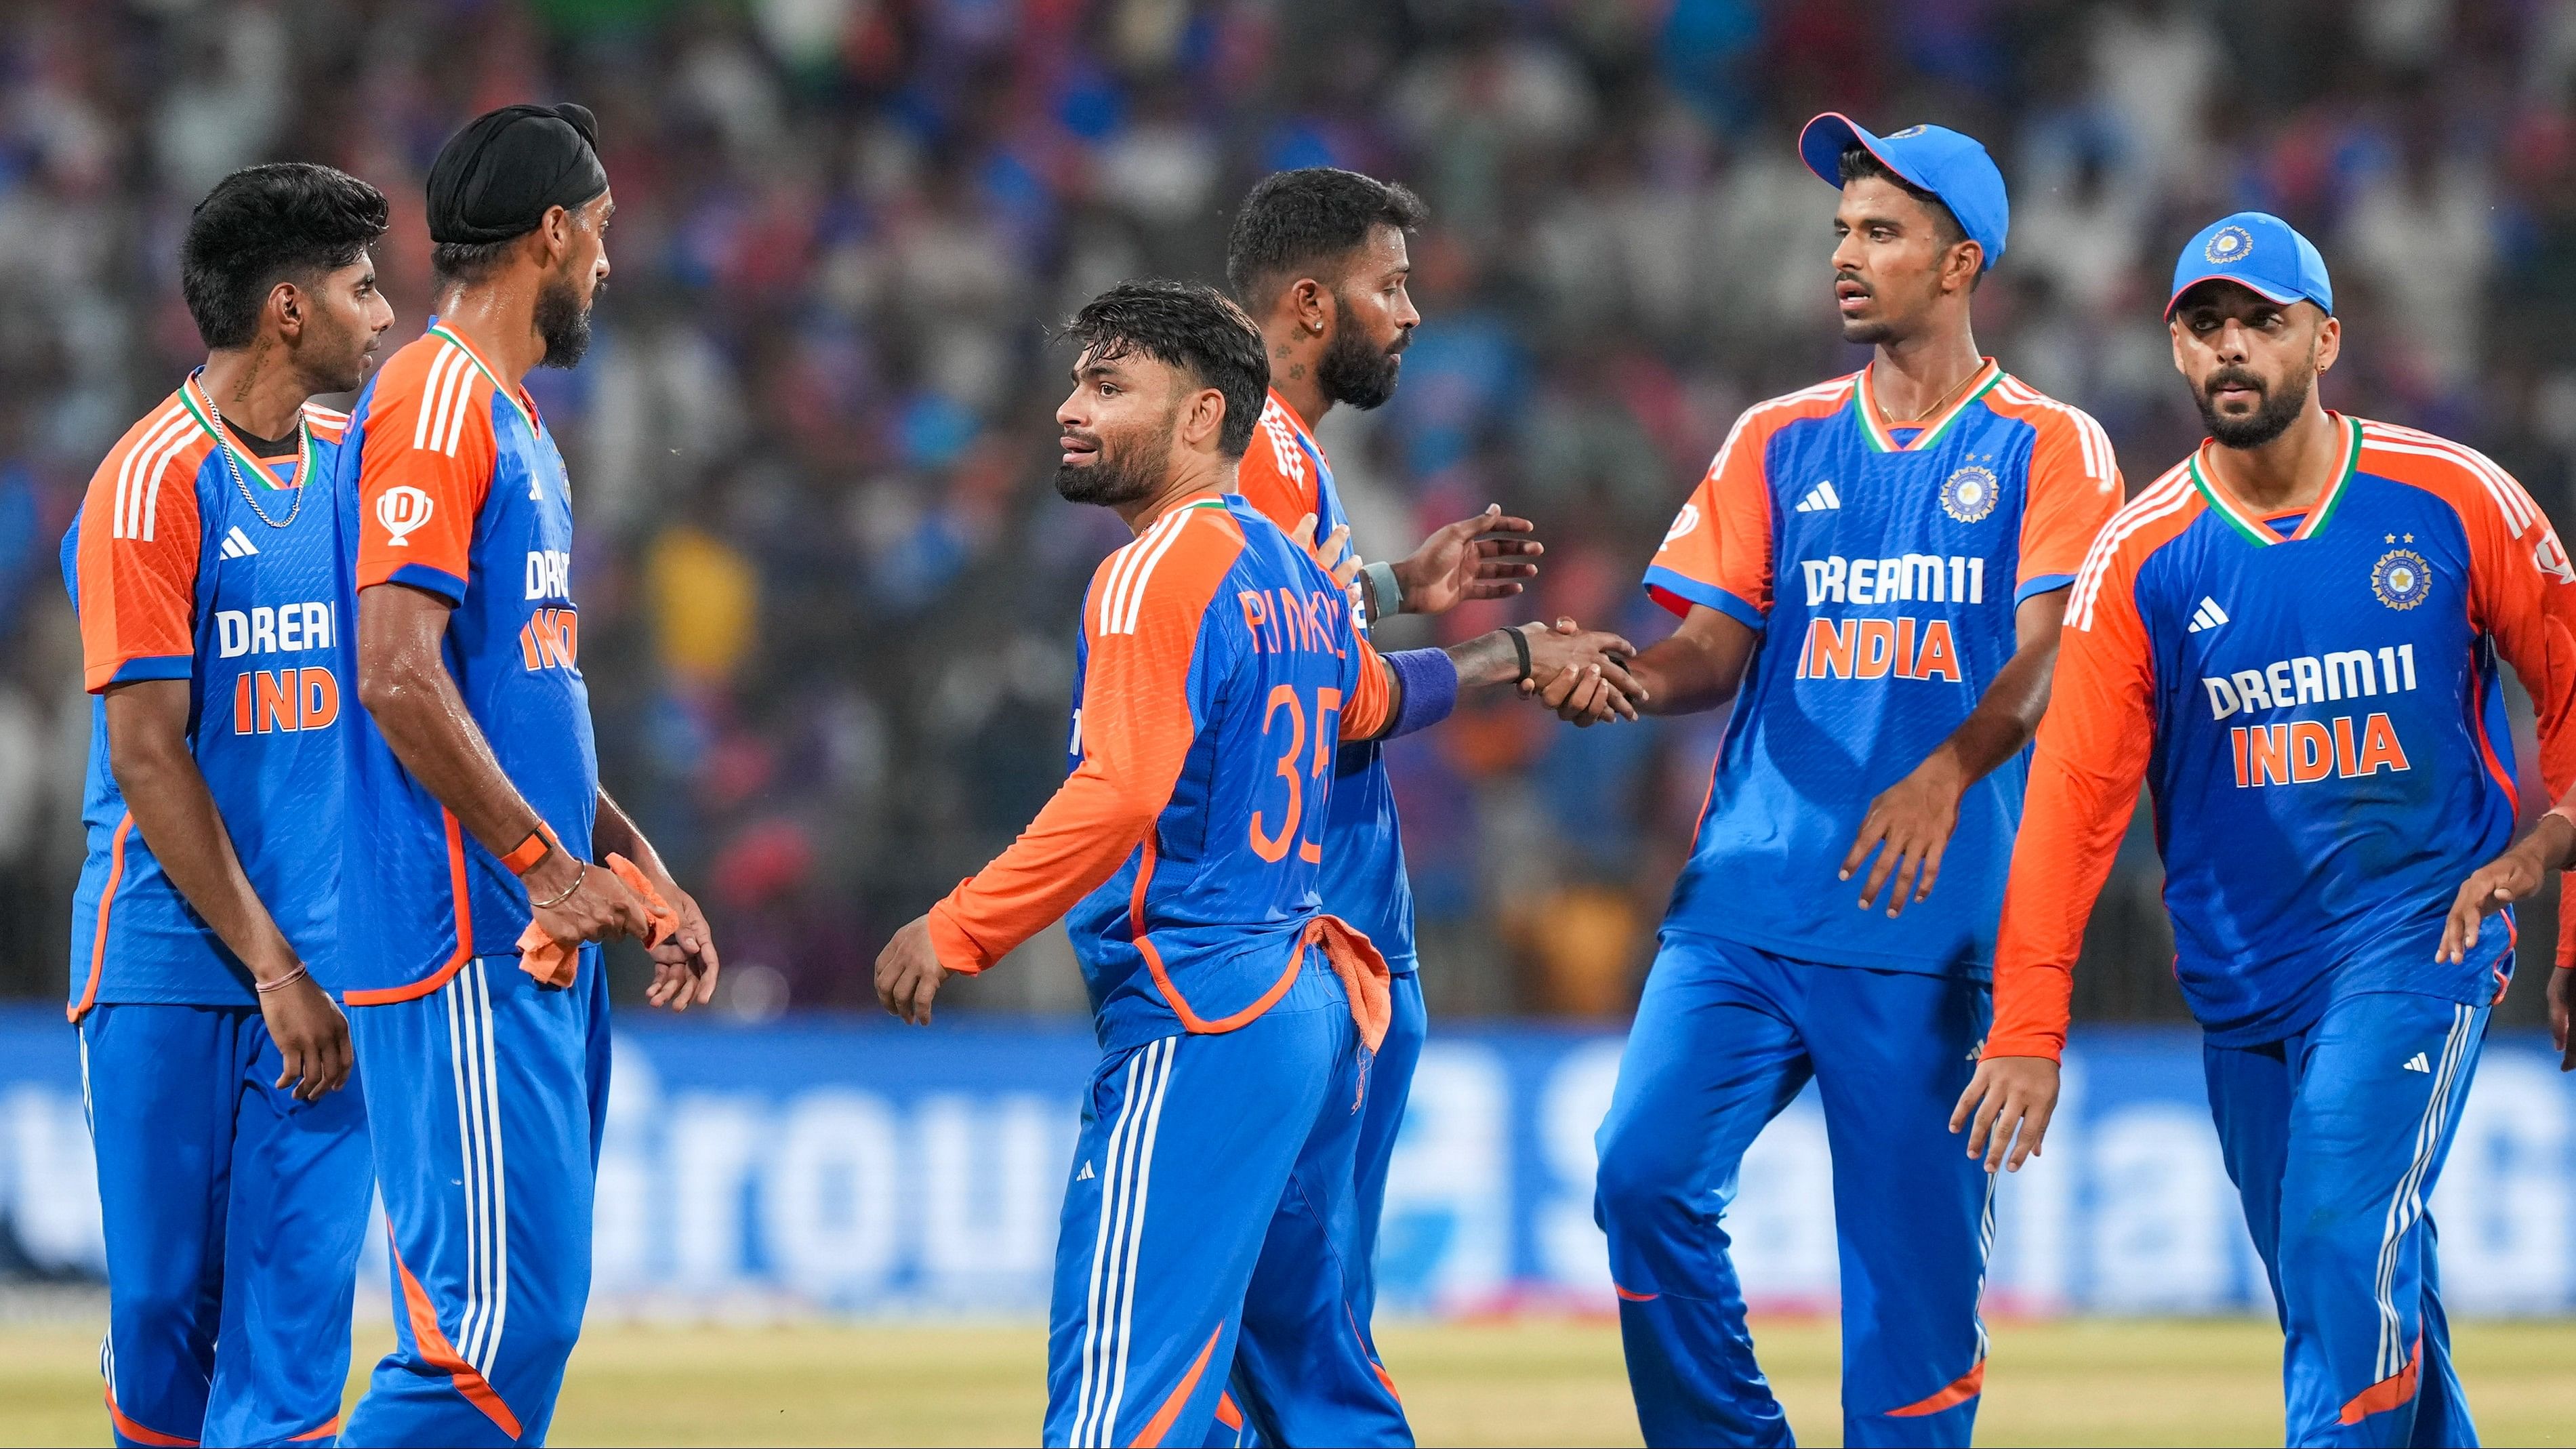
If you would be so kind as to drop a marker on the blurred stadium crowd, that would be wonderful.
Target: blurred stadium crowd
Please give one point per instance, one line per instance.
(826, 585)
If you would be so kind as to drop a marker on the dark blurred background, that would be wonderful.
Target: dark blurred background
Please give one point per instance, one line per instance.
(827, 590)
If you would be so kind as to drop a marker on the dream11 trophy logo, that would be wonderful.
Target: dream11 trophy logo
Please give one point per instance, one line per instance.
(401, 509)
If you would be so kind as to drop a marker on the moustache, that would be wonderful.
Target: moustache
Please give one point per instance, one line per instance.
(2234, 377)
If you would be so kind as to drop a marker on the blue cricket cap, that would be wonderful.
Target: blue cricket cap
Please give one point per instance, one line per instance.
(2259, 252)
(1950, 166)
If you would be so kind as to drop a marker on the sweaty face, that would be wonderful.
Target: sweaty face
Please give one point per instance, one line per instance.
(345, 319)
(565, 297)
(2251, 362)
(1887, 261)
(1373, 322)
(1116, 428)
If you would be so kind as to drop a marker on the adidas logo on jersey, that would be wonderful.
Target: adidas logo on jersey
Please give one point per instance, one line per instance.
(2207, 616)
(2416, 1063)
(1086, 1174)
(237, 544)
(1820, 498)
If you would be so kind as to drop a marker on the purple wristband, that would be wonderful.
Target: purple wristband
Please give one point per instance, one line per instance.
(1430, 680)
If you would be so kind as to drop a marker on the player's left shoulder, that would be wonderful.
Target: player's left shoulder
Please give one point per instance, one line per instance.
(2059, 427)
(2475, 485)
(328, 425)
(1174, 565)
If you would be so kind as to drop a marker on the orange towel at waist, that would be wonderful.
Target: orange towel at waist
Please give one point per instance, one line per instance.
(1363, 971)
(555, 964)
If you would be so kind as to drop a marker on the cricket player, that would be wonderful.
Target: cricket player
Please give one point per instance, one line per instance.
(474, 807)
(1219, 670)
(1873, 570)
(2293, 639)
(1317, 258)
(233, 1171)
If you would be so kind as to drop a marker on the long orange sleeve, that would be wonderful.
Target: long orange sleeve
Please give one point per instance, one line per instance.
(1143, 621)
(2523, 593)
(2091, 758)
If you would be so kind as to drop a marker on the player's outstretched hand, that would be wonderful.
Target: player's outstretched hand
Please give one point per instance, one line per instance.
(1334, 554)
(684, 966)
(1909, 827)
(2005, 1094)
(1474, 558)
(1582, 674)
(909, 973)
(2512, 876)
(312, 1038)
(600, 908)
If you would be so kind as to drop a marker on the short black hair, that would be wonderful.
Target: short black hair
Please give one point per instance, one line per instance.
(459, 264)
(1297, 221)
(1188, 326)
(288, 221)
(1858, 162)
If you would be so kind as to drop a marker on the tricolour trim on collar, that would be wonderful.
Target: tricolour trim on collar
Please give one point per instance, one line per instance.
(508, 393)
(1872, 427)
(2254, 529)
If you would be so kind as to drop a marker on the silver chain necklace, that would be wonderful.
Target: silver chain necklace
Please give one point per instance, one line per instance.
(223, 445)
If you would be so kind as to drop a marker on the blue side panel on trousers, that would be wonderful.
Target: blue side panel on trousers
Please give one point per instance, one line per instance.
(233, 1217)
(488, 1097)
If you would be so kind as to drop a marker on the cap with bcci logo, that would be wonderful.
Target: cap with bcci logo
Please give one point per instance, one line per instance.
(1951, 166)
(2259, 252)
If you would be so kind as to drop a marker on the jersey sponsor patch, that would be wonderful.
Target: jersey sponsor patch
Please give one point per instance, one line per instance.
(403, 509)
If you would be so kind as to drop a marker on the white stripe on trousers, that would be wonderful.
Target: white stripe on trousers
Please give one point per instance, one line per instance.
(1110, 1301)
(474, 1069)
(2406, 1204)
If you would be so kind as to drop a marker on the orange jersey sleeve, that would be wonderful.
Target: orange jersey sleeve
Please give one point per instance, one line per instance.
(2091, 759)
(2522, 592)
(1142, 621)
(137, 560)
(1371, 707)
(426, 467)
(2074, 487)
(1718, 552)
(1275, 476)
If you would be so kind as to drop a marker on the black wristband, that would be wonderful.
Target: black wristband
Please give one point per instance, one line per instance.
(1520, 646)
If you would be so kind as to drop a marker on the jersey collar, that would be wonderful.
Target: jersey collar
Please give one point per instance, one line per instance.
(1873, 425)
(511, 395)
(191, 397)
(2254, 529)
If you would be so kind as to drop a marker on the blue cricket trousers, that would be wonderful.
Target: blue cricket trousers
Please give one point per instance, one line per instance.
(1192, 1148)
(1724, 1039)
(233, 1215)
(487, 1095)
(1306, 1368)
(2334, 1139)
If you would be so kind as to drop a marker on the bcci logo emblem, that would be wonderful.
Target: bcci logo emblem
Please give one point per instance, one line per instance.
(403, 509)
(2232, 244)
(2401, 578)
(1683, 523)
(1907, 133)
(1970, 494)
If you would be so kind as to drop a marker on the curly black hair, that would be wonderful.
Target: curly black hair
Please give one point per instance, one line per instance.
(1305, 223)
(289, 221)
(1188, 326)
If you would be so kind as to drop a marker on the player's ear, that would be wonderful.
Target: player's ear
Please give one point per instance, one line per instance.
(285, 304)
(1205, 420)
(1959, 270)
(2174, 330)
(1313, 304)
(2329, 343)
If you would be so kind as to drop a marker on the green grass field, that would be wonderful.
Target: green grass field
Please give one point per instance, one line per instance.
(1544, 1382)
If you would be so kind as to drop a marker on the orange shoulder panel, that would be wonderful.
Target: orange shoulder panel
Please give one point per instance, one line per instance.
(1275, 475)
(1718, 551)
(430, 452)
(137, 560)
(1145, 619)
(2074, 482)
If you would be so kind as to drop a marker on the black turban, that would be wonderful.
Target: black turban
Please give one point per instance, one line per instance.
(496, 178)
